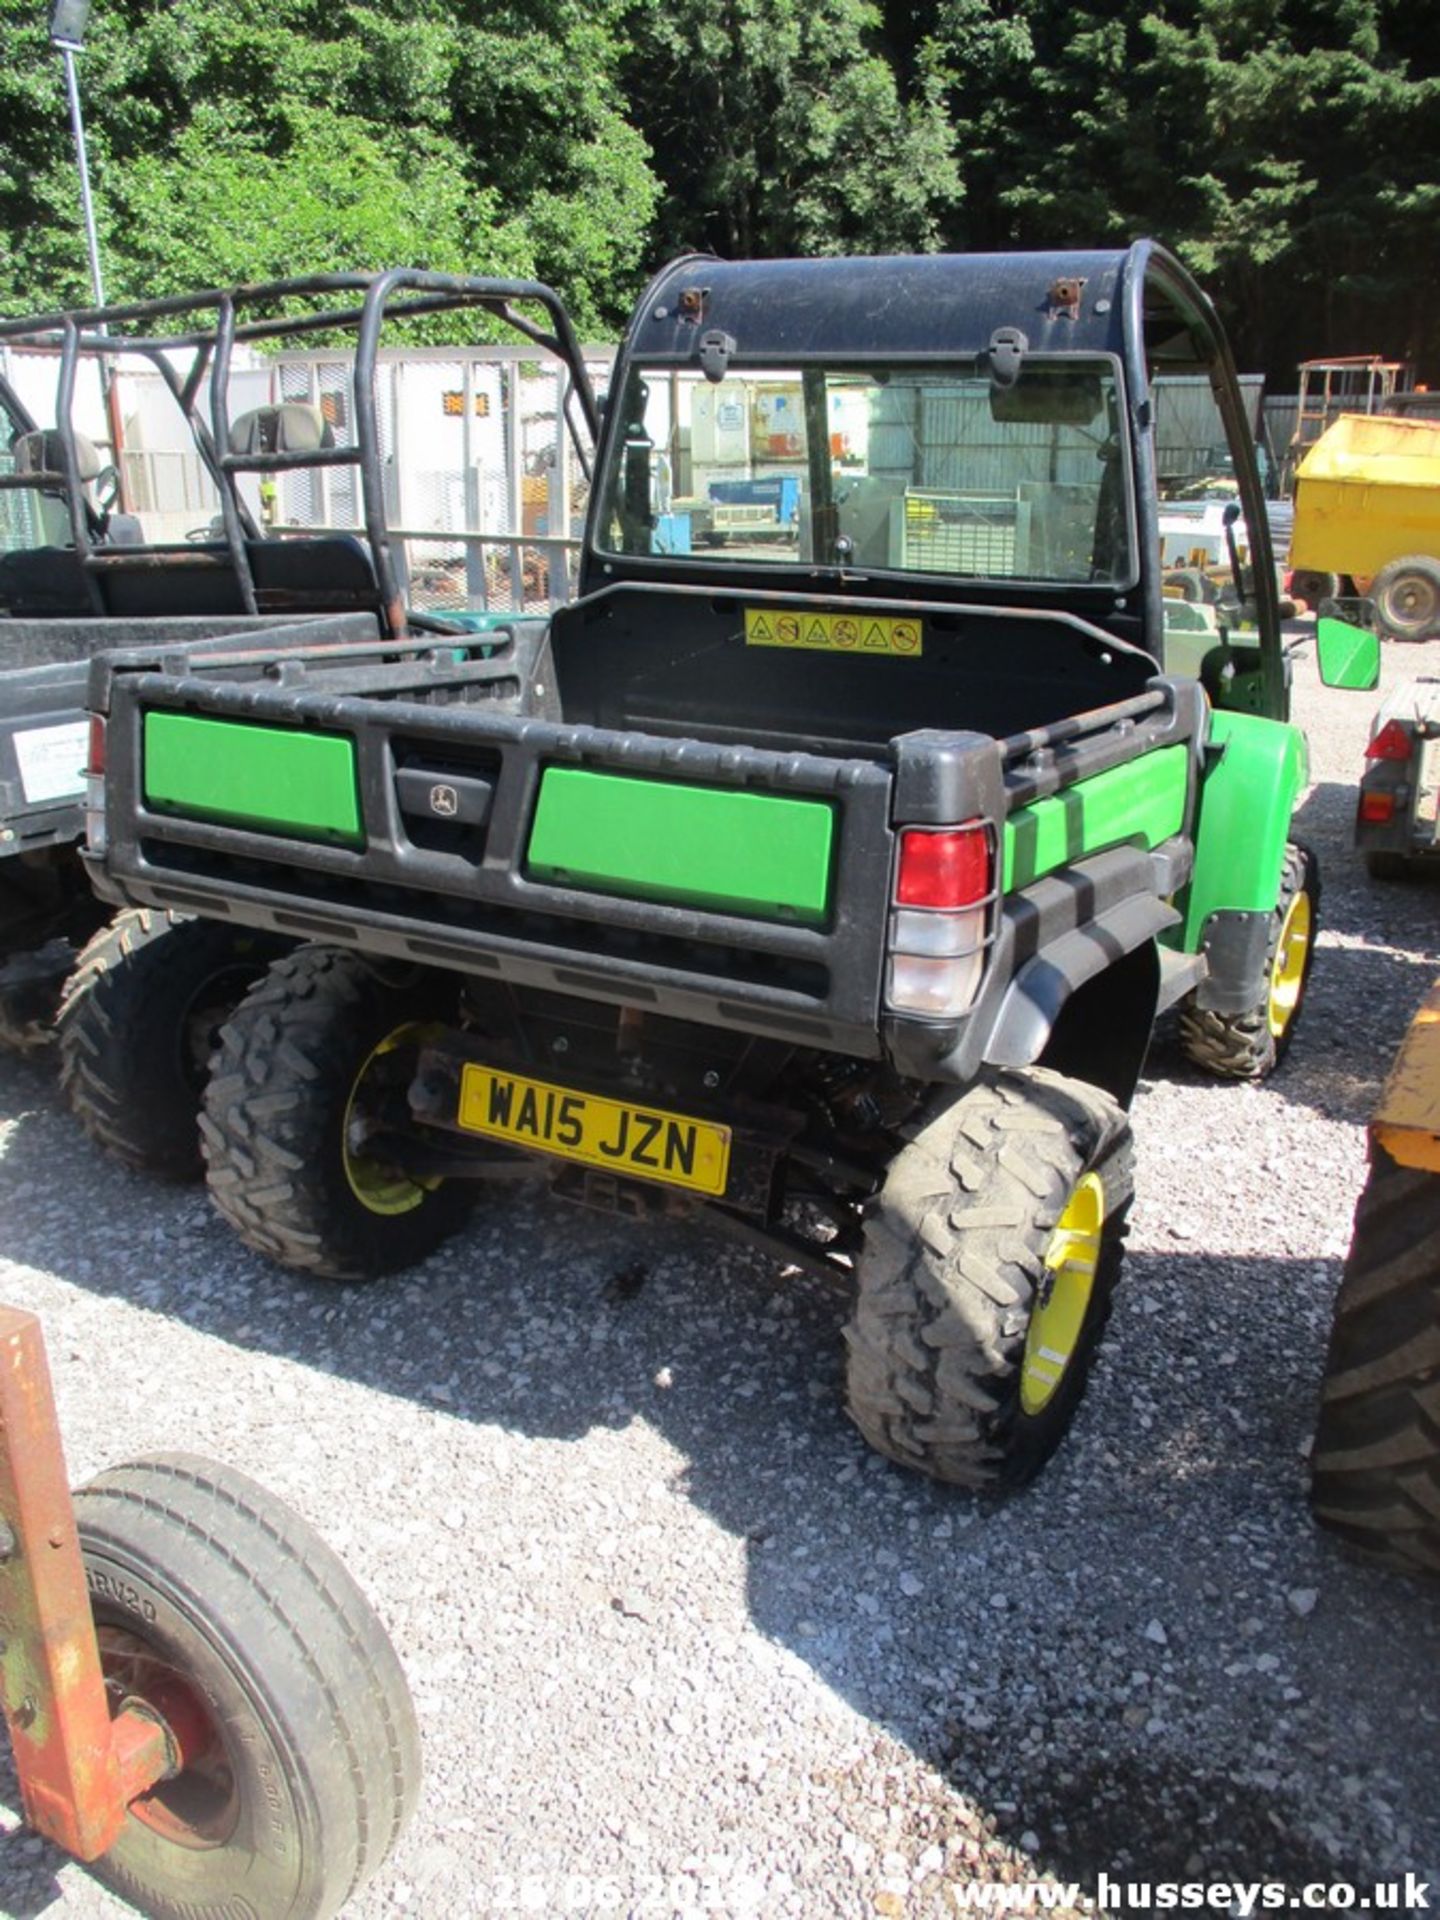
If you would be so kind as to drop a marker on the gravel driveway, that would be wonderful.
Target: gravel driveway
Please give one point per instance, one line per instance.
(680, 1643)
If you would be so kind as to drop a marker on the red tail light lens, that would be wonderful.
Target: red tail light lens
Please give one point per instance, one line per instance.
(943, 870)
(1391, 743)
(95, 756)
(1377, 808)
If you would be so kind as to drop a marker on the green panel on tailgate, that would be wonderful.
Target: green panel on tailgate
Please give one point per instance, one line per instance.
(733, 851)
(274, 779)
(1142, 800)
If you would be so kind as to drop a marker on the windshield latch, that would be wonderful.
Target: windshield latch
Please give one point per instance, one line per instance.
(1001, 359)
(715, 351)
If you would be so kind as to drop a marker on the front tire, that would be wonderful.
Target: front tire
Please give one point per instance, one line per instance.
(221, 1611)
(1376, 1465)
(138, 1024)
(320, 1051)
(986, 1278)
(1251, 1044)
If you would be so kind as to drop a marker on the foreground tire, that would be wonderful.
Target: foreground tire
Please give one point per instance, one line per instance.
(1376, 1464)
(221, 1611)
(986, 1278)
(1250, 1045)
(138, 1023)
(319, 1050)
(1407, 598)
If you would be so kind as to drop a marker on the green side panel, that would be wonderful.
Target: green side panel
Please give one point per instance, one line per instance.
(275, 779)
(1247, 798)
(736, 852)
(1143, 800)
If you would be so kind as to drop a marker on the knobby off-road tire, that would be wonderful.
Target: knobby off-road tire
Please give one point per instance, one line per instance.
(961, 1269)
(1250, 1045)
(138, 1024)
(1376, 1464)
(233, 1620)
(1407, 598)
(319, 1032)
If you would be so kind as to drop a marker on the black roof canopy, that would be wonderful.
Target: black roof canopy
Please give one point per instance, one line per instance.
(886, 308)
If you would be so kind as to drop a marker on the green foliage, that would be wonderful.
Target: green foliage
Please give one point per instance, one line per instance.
(779, 126)
(233, 140)
(1289, 149)
(1290, 153)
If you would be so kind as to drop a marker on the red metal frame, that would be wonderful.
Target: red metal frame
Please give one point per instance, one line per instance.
(79, 1769)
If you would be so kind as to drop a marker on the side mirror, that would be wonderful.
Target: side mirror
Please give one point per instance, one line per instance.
(1349, 656)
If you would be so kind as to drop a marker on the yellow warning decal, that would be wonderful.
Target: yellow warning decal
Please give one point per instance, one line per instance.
(832, 632)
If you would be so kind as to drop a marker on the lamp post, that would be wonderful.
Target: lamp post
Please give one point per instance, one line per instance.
(68, 20)
(67, 35)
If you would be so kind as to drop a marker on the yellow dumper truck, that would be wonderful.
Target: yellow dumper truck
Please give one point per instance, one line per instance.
(1367, 520)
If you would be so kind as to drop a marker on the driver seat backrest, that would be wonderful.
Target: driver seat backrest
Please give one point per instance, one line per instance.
(41, 452)
(291, 427)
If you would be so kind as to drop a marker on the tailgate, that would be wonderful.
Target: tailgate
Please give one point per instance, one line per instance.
(734, 886)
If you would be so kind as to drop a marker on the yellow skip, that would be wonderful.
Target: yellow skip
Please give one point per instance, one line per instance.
(859, 632)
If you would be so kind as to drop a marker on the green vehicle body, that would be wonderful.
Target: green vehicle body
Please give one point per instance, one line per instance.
(698, 799)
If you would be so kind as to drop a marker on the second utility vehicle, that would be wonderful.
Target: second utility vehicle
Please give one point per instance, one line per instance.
(825, 863)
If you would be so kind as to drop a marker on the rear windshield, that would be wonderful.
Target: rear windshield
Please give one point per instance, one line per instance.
(888, 470)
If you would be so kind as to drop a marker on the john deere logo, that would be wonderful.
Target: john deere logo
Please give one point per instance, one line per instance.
(444, 800)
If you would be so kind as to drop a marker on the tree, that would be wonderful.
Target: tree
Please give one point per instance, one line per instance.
(240, 139)
(778, 126)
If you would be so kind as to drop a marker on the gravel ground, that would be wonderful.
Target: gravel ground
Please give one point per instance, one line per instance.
(679, 1642)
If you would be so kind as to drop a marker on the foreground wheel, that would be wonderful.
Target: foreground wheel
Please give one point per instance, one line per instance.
(313, 1066)
(138, 1024)
(1376, 1466)
(1407, 598)
(1250, 1045)
(220, 1611)
(986, 1278)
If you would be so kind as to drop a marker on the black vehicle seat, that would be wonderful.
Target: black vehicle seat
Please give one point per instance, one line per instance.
(290, 427)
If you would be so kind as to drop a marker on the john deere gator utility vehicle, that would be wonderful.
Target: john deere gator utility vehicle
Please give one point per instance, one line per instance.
(77, 575)
(825, 863)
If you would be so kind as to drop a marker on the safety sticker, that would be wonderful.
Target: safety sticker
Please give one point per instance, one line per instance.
(832, 632)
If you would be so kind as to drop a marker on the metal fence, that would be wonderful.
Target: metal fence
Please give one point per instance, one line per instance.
(485, 490)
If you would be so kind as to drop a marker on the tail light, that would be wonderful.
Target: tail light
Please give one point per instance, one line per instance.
(940, 918)
(1391, 743)
(1377, 807)
(95, 787)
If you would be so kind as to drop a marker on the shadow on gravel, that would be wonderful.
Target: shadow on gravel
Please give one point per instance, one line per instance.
(1149, 1662)
(1357, 1007)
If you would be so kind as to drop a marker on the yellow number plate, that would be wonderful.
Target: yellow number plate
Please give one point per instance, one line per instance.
(598, 1133)
(832, 632)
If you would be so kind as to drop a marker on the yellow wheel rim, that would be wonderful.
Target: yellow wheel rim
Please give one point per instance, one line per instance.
(378, 1188)
(1072, 1260)
(1287, 971)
